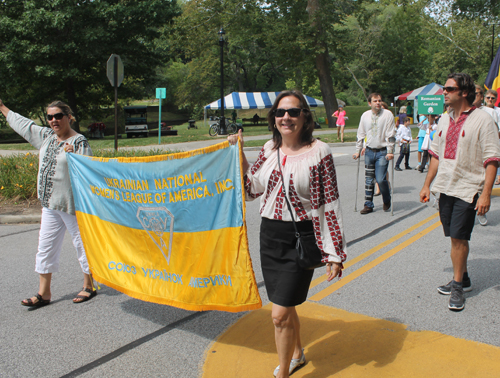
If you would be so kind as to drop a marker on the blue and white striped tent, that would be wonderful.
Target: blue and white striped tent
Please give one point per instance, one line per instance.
(254, 100)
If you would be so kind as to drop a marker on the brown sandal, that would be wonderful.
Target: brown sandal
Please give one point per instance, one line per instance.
(39, 303)
(85, 298)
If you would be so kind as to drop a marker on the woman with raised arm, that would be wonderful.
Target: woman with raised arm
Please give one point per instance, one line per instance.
(298, 169)
(55, 195)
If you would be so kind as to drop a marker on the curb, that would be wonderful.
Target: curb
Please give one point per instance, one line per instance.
(13, 219)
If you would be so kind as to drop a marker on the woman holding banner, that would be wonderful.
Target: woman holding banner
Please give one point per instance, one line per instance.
(310, 183)
(55, 195)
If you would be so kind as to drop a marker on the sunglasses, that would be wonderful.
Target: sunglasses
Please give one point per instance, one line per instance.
(450, 89)
(491, 98)
(57, 116)
(292, 112)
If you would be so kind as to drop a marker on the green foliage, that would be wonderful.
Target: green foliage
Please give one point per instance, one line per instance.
(59, 48)
(18, 176)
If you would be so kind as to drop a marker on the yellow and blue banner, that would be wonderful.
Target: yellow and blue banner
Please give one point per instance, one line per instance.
(168, 229)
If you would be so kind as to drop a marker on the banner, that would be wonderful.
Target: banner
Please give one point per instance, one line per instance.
(168, 229)
(493, 78)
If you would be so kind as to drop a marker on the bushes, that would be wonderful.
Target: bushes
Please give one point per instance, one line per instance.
(18, 176)
(18, 173)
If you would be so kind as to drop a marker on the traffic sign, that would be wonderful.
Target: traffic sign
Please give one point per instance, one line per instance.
(430, 104)
(114, 70)
(161, 93)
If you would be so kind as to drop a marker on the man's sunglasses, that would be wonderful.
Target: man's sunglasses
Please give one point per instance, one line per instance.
(491, 98)
(57, 116)
(450, 89)
(292, 112)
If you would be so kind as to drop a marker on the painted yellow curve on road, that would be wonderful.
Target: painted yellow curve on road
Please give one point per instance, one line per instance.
(343, 344)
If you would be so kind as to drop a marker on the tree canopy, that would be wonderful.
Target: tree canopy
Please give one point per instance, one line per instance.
(59, 48)
(326, 48)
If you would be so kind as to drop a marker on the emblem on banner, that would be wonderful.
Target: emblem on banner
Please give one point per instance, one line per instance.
(159, 224)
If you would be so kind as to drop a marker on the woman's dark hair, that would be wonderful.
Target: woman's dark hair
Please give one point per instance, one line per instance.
(306, 133)
(465, 83)
(64, 108)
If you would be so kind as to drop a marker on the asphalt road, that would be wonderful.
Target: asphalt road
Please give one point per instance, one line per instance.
(394, 278)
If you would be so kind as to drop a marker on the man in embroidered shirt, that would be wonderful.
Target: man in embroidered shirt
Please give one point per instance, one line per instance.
(465, 145)
(378, 126)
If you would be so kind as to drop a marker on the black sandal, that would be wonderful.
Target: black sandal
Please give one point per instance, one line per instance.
(39, 303)
(85, 298)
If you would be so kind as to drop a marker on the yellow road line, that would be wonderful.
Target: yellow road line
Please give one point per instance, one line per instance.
(337, 285)
(495, 192)
(371, 251)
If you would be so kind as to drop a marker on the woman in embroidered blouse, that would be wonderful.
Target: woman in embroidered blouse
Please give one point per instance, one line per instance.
(55, 195)
(311, 185)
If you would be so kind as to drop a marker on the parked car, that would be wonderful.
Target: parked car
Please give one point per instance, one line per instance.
(136, 121)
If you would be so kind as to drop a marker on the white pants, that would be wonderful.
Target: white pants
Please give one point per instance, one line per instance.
(53, 227)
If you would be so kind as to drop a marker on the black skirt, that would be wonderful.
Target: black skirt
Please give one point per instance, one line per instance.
(287, 284)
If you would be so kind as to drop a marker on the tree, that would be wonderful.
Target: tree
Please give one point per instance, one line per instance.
(59, 48)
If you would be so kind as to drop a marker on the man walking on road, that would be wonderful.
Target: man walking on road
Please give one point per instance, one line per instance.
(378, 126)
(465, 145)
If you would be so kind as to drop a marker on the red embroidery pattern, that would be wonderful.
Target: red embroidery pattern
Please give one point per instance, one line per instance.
(433, 154)
(274, 180)
(323, 183)
(453, 134)
(295, 202)
(255, 167)
(258, 163)
(317, 232)
(490, 160)
(248, 187)
(335, 233)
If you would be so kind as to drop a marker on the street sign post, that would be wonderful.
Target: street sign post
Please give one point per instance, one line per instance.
(161, 93)
(431, 104)
(114, 71)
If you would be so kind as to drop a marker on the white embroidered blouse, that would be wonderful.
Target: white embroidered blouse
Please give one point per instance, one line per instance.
(311, 185)
(54, 185)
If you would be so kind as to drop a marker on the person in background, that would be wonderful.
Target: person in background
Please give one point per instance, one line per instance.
(429, 127)
(55, 195)
(377, 125)
(465, 145)
(491, 99)
(409, 110)
(478, 103)
(422, 125)
(377, 189)
(402, 116)
(340, 115)
(404, 138)
(310, 182)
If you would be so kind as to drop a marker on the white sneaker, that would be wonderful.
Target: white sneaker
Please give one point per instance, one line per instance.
(294, 364)
(482, 220)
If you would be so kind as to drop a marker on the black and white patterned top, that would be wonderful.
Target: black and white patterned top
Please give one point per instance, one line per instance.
(54, 185)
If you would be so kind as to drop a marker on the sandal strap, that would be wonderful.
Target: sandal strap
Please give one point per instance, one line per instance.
(90, 291)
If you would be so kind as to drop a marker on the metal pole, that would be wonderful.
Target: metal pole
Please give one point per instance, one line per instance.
(357, 182)
(492, 41)
(223, 130)
(159, 123)
(115, 65)
(392, 186)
